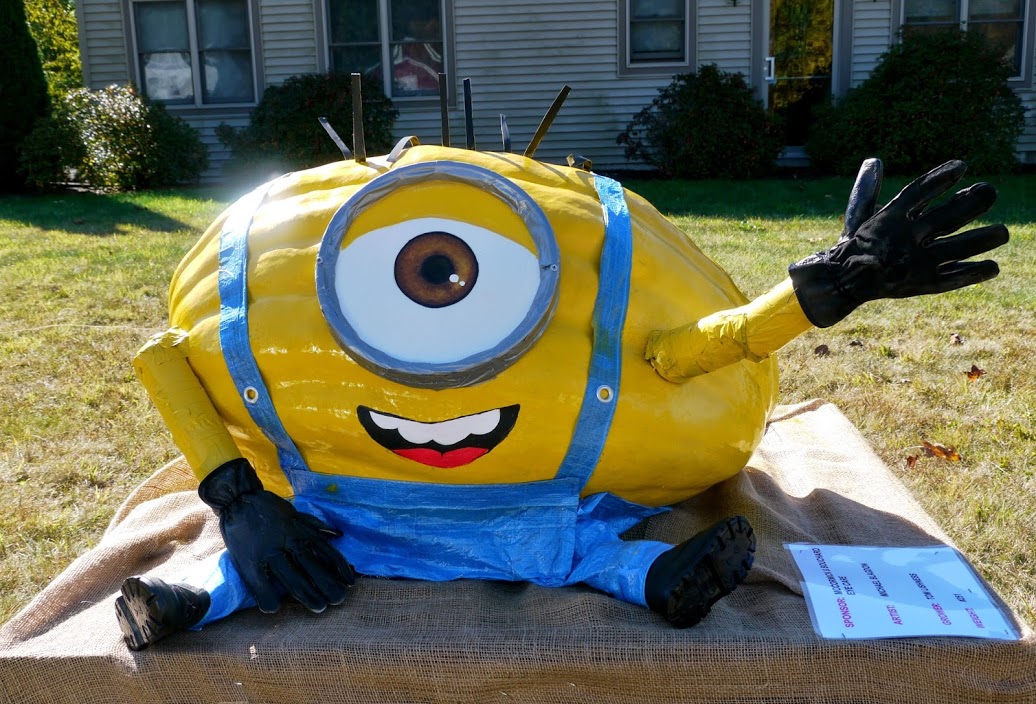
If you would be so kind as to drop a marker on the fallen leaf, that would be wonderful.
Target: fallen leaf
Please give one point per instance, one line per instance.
(822, 351)
(934, 449)
(855, 343)
(975, 373)
(956, 339)
(911, 460)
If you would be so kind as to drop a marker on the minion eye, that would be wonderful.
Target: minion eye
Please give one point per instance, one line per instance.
(436, 269)
(437, 302)
(434, 291)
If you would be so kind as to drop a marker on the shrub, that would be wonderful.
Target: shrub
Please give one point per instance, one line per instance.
(113, 139)
(284, 132)
(931, 98)
(705, 125)
(51, 151)
(23, 90)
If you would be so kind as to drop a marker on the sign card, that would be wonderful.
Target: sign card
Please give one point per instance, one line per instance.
(872, 592)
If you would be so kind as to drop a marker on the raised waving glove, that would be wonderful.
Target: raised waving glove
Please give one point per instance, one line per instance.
(902, 250)
(274, 547)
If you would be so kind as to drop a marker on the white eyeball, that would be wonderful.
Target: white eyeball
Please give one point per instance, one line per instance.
(432, 290)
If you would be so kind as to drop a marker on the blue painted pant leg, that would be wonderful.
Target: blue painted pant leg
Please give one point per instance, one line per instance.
(615, 566)
(218, 576)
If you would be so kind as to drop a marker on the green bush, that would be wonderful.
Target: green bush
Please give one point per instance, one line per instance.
(705, 125)
(113, 139)
(931, 98)
(51, 151)
(284, 133)
(23, 90)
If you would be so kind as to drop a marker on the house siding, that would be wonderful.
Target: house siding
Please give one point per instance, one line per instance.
(725, 35)
(518, 57)
(872, 22)
(289, 38)
(102, 42)
(518, 62)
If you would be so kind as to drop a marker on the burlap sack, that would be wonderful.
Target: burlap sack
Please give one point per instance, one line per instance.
(813, 479)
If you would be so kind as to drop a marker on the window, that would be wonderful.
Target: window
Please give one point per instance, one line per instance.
(194, 52)
(1002, 21)
(657, 31)
(399, 43)
(655, 36)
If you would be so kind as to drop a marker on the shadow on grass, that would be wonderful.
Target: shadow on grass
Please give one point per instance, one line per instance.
(86, 213)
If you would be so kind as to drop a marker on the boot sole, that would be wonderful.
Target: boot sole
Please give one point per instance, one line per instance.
(138, 615)
(724, 564)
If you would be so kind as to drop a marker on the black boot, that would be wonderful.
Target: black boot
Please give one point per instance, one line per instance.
(683, 583)
(150, 609)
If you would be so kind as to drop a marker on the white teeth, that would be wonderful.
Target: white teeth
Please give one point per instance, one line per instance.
(448, 432)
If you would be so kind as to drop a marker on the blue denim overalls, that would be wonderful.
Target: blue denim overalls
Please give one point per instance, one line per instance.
(540, 532)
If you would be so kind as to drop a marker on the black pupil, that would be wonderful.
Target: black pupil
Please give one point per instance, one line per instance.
(437, 269)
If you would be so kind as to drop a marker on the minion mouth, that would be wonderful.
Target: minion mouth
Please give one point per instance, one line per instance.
(446, 444)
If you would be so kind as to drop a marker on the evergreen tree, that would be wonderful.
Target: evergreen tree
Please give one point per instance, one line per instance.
(23, 89)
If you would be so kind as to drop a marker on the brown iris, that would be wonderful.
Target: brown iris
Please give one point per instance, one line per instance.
(436, 269)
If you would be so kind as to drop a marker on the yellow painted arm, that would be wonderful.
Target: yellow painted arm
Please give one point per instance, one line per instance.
(753, 332)
(197, 429)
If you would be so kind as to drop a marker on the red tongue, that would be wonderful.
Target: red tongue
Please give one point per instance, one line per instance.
(446, 460)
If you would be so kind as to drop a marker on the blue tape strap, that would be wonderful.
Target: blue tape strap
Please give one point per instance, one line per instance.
(613, 291)
(233, 328)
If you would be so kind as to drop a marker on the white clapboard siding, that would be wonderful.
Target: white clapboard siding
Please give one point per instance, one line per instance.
(519, 55)
(289, 38)
(872, 34)
(102, 42)
(725, 35)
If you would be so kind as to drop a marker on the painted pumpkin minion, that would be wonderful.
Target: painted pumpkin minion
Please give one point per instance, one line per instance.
(459, 364)
(432, 321)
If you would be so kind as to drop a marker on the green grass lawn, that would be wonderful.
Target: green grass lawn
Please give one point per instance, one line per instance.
(83, 279)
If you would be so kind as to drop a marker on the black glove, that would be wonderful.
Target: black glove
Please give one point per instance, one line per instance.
(901, 250)
(272, 544)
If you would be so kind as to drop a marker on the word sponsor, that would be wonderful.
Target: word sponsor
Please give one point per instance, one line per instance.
(871, 592)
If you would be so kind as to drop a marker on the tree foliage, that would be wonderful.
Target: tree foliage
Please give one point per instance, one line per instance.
(23, 89)
(53, 25)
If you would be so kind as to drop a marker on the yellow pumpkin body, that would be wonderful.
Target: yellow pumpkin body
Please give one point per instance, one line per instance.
(667, 441)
